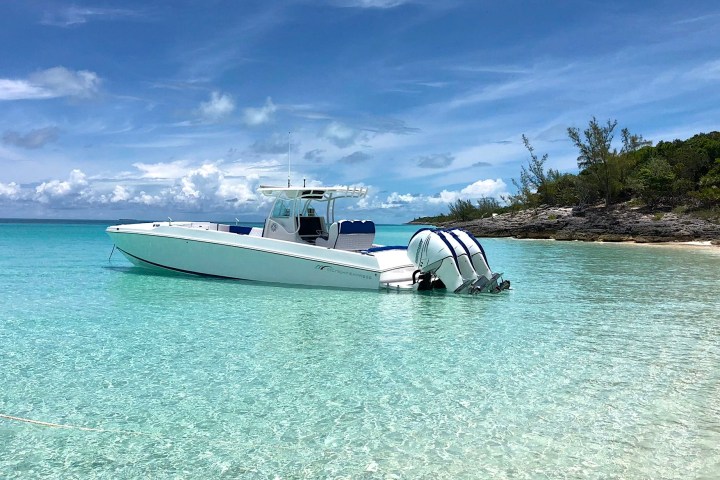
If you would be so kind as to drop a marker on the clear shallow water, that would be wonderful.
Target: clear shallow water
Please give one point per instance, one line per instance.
(601, 363)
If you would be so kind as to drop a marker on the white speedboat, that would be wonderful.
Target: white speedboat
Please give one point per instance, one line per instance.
(301, 243)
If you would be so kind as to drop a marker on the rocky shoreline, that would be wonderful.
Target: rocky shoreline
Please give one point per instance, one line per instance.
(618, 224)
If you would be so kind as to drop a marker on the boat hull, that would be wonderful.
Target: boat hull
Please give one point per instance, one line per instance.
(228, 255)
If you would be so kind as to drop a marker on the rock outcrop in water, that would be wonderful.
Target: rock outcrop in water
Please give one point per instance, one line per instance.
(619, 224)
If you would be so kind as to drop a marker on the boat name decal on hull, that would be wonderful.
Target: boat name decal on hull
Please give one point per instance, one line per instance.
(331, 269)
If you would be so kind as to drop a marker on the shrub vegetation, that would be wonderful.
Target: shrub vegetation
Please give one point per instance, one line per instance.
(682, 175)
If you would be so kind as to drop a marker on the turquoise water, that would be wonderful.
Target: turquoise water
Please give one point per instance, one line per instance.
(603, 362)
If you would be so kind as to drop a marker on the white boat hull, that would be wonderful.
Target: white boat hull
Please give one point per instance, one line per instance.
(201, 251)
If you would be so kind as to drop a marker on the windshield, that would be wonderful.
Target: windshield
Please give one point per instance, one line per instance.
(282, 208)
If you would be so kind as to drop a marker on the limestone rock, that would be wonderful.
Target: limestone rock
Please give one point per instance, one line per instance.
(618, 224)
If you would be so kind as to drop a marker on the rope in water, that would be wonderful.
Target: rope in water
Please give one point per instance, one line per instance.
(72, 427)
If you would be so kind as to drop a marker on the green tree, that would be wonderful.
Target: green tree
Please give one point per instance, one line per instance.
(653, 181)
(462, 210)
(595, 152)
(486, 206)
(560, 189)
(625, 163)
(609, 167)
(632, 142)
(532, 179)
(709, 192)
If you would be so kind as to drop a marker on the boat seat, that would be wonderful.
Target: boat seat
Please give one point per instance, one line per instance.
(349, 235)
(310, 228)
(239, 229)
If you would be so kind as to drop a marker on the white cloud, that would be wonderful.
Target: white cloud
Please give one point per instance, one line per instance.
(370, 3)
(342, 136)
(708, 71)
(147, 199)
(218, 107)
(163, 170)
(74, 15)
(484, 188)
(444, 197)
(120, 194)
(20, 89)
(479, 189)
(51, 83)
(200, 183)
(238, 191)
(500, 91)
(208, 188)
(63, 191)
(62, 82)
(10, 191)
(420, 204)
(395, 200)
(204, 188)
(258, 116)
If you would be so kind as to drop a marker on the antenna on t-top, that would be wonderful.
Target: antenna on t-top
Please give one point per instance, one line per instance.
(289, 159)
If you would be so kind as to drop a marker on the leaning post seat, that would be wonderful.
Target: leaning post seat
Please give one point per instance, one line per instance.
(310, 228)
(349, 235)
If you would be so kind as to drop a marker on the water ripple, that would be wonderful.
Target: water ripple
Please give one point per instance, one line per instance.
(601, 363)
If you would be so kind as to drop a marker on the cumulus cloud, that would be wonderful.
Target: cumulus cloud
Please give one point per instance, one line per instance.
(32, 139)
(259, 116)
(356, 157)
(479, 189)
(63, 192)
(210, 187)
(396, 200)
(200, 183)
(10, 191)
(418, 204)
(435, 160)
(203, 188)
(61, 82)
(51, 83)
(120, 194)
(218, 107)
(238, 191)
(342, 136)
(163, 170)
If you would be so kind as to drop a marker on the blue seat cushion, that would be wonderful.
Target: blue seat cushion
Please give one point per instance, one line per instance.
(347, 227)
(240, 229)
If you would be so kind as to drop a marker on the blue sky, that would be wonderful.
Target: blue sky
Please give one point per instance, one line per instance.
(182, 108)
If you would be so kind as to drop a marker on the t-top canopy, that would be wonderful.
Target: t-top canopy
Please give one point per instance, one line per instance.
(314, 193)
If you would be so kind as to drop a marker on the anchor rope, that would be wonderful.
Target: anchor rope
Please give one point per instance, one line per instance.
(71, 427)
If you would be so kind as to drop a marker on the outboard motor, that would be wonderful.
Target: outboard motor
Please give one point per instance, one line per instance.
(475, 251)
(453, 259)
(462, 255)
